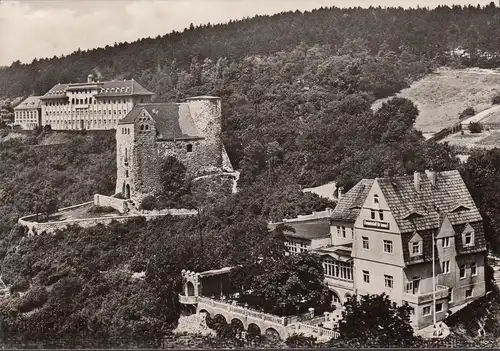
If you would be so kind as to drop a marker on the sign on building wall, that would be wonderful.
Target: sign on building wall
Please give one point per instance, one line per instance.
(368, 223)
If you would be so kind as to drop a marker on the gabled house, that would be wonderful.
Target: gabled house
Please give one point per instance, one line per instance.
(382, 235)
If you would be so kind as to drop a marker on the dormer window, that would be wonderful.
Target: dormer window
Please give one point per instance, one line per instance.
(415, 245)
(468, 236)
(189, 147)
(416, 248)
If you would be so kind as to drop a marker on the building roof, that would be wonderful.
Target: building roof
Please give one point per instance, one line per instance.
(349, 205)
(105, 89)
(338, 252)
(416, 210)
(30, 103)
(172, 120)
(122, 88)
(309, 229)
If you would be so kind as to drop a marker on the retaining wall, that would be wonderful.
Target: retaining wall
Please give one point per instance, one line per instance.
(35, 228)
(118, 204)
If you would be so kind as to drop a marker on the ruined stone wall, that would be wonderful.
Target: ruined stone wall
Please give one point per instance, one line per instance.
(125, 134)
(146, 165)
(206, 114)
(109, 201)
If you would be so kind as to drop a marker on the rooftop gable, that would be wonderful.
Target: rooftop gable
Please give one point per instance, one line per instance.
(349, 205)
(172, 120)
(446, 229)
(448, 191)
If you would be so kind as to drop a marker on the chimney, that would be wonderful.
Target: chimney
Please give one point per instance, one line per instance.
(386, 173)
(329, 211)
(340, 191)
(416, 180)
(431, 175)
(90, 78)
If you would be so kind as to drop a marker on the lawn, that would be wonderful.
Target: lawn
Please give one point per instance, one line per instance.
(443, 95)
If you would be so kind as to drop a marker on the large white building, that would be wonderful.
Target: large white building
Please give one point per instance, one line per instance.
(28, 113)
(91, 105)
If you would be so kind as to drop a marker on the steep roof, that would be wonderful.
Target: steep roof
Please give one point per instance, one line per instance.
(307, 229)
(348, 207)
(172, 120)
(122, 88)
(30, 103)
(448, 192)
(105, 88)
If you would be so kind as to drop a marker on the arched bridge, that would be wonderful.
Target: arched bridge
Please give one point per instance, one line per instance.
(259, 322)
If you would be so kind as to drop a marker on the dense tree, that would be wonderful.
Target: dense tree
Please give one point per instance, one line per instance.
(284, 285)
(375, 317)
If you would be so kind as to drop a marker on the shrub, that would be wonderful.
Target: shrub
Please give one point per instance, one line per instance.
(469, 111)
(475, 127)
(495, 100)
(148, 203)
(35, 298)
(299, 340)
(119, 196)
(20, 285)
(101, 209)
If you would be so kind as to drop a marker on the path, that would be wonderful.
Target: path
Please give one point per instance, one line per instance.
(481, 115)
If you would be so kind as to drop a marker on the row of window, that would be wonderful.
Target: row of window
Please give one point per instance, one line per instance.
(86, 101)
(26, 113)
(416, 247)
(337, 269)
(342, 232)
(125, 131)
(114, 112)
(295, 247)
(95, 122)
(380, 214)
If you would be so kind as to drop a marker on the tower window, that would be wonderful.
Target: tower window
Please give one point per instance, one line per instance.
(189, 147)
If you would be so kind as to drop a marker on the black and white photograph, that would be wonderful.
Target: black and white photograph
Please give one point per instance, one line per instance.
(249, 174)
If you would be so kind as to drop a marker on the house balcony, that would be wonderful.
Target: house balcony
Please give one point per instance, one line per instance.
(442, 292)
(188, 300)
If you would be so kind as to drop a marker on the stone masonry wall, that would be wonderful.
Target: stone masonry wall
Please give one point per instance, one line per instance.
(125, 135)
(206, 113)
(118, 204)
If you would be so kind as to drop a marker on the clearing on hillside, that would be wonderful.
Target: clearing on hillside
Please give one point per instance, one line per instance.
(443, 95)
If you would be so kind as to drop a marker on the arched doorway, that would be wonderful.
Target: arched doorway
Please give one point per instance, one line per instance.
(336, 297)
(347, 296)
(189, 289)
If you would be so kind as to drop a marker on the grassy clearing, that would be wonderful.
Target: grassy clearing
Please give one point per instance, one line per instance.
(443, 95)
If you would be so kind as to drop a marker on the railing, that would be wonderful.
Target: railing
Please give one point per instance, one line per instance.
(188, 300)
(441, 292)
(252, 313)
(317, 330)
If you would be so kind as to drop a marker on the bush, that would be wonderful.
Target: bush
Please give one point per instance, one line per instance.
(469, 111)
(119, 196)
(20, 285)
(495, 100)
(101, 209)
(300, 340)
(148, 203)
(35, 298)
(475, 127)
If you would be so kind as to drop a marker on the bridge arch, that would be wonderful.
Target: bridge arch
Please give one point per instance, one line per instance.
(253, 331)
(273, 334)
(237, 326)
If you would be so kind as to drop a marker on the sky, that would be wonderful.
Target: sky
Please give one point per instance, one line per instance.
(43, 28)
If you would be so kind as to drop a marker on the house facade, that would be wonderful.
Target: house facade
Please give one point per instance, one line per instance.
(91, 105)
(150, 133)
(28, 114)
(382, 235)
